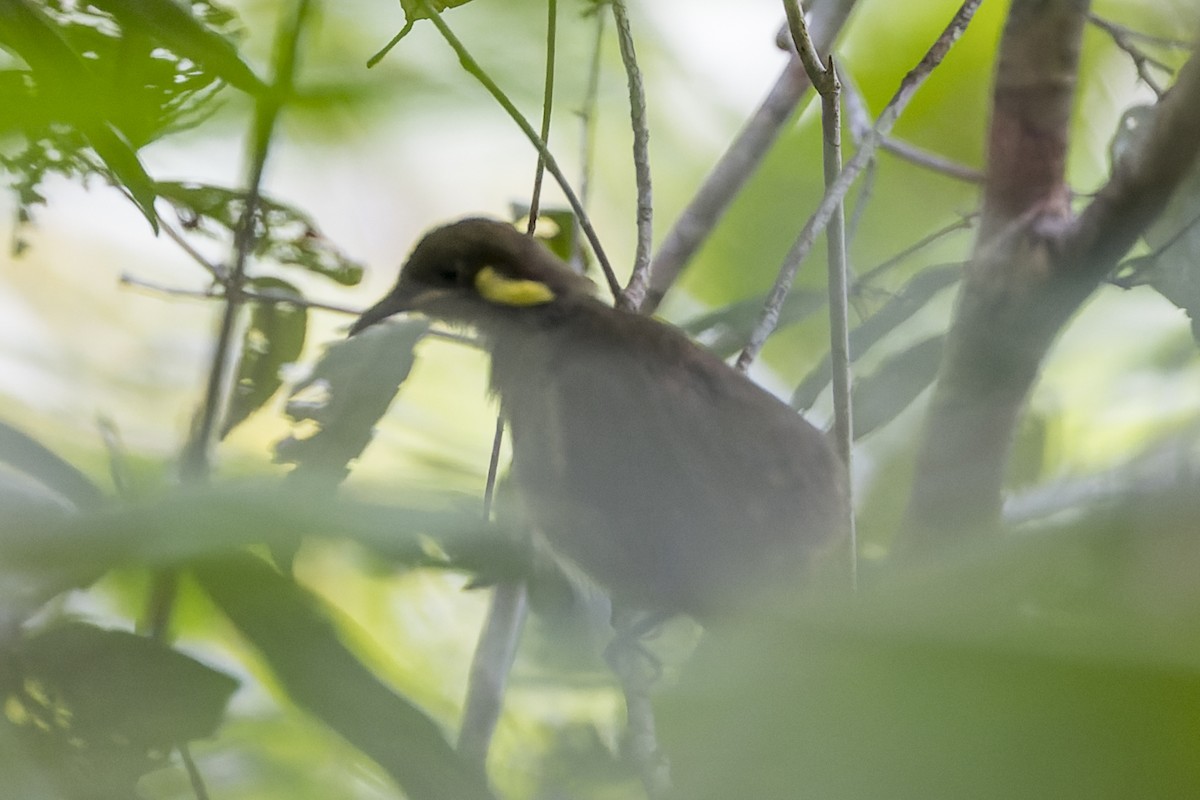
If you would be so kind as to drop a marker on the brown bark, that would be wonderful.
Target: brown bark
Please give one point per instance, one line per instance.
(1034, 265)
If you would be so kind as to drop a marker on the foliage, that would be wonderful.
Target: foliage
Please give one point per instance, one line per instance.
(1055, 660)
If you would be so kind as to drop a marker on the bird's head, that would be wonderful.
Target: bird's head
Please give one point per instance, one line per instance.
(476, 271)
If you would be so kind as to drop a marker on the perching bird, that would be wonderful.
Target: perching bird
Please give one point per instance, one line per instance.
(666, 475)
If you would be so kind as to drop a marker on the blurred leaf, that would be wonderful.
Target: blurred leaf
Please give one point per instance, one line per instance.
(68, 85)
(1040, 667)
(282, 233)
(22, 777)
(204, 522)
(915, 295)
(556, 228)
(116, 684)
(25, 454)
(274, 338)
(176, 27)
(350, 388)
(97, 709)
(881, 396)
(287, 626)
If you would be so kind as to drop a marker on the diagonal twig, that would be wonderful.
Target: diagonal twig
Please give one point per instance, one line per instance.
(837, 192)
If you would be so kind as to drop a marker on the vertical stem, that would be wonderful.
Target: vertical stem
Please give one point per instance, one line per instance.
(587, 115)
(196, 460)
(638, 282)
(547, 106)
(839, 323)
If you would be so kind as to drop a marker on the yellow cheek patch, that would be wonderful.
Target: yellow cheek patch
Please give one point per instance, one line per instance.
(505, 291)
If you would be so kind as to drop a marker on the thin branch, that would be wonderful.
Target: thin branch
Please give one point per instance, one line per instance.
(963, 223)
(490, 667)
(638, 282)
(824, 81)
(587, 116)
(931, 161)
(196, 464)
(741, 159)
(217, 271)
(839, 311)
(279, 297)
(539, 172)
(836, 193)
(195, 779)
(1124, 38)
(1115, 29)
(858, 115)
(472, 67)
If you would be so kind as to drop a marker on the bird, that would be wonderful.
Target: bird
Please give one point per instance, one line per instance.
(667, 476)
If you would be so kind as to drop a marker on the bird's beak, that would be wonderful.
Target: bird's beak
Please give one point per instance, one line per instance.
(399, 300)
(378, 313)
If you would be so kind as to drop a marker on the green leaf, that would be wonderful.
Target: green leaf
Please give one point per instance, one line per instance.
(283, 233)
(881, 396)
(69, 85)
(293, 634)
(177, 28)
(120, 686)
(350, 388)
(274, 338)
(915, 295)
(557, 228)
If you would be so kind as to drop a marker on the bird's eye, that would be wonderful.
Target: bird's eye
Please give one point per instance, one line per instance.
(448, 275)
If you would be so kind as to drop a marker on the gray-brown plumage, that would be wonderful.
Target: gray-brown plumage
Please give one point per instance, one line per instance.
(667, 475)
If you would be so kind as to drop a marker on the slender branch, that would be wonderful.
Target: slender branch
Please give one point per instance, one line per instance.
(473, 68)
(587, 116)
(860, 124)
(196, 460)
(282, 298)
(931, 161)
(963, 223)
(1123, 37)
(639, 281)
(824, 81)
(490, 667)
(195, 779)
(839, 313)
(539, 172)
(837, 192)
(216, 270)
(741, 159)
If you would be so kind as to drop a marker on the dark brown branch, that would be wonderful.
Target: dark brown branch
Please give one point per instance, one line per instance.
(994, 347)
(1033, 266)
